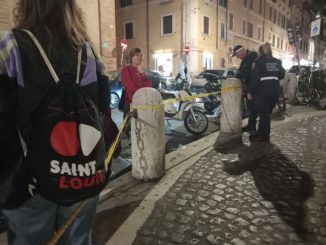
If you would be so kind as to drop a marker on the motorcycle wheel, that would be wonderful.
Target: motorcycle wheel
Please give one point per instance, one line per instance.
(193, 127)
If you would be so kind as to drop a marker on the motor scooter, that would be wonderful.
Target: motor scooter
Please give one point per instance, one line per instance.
(191, 112)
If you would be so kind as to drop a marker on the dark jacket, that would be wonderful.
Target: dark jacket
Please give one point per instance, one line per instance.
(268, 72)
(245, 68)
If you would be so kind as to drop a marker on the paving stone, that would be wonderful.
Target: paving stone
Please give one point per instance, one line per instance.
(233, 210)
(203, 193)
(199, 232)
(203, 207)
(217, 198)
(213, 211)
(190, 212)
(177, 237)
(183, 228)
(244, 234)
(181, 202)
(183, 219)
(211, 203)
(213, 240)
(186, 196)
(237, 241)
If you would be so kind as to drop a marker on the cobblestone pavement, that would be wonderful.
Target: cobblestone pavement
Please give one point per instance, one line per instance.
(279, 198)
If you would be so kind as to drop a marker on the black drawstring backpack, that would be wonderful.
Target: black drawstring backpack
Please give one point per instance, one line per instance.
(66, 151)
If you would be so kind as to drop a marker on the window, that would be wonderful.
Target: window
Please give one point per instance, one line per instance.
(223, 3)
(244, 27)
(260, 6)
(279, 19)
(231, 22)
(270, 13)
(250, 29)
(208, 60)
(206, 25)
(282, 44)
(245, 3)
(269, 36)
(125, 3)
(222, 31)
(273, 43)
(278, 43)
(129, 30)
(251, 4)
(274, 16)
(166, 24)
(259, 33)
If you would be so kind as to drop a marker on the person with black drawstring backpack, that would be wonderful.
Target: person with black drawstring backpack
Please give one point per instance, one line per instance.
(61, 94)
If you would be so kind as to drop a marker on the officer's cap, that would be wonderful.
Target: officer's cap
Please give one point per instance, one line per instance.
(236, 49)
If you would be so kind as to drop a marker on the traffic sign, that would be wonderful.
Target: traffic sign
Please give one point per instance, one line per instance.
(124, 44)
(187, 50)
(315, 28)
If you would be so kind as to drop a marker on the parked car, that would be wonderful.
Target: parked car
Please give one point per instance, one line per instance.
(166, 82)
(115, 91)
(116, 87)
(198, 82)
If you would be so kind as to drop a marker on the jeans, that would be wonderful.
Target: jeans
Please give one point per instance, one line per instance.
(36, 221)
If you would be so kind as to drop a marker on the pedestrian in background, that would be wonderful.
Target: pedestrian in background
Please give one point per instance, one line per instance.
(59, 28)
(264, 89)
(133, 77)
(244, 73)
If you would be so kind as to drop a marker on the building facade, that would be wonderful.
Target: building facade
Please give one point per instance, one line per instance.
(211, 28)
(100, 22)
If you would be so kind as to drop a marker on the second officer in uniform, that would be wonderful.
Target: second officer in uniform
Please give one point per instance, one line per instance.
(264, 89)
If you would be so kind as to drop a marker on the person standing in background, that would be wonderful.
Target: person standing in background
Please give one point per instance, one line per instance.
(264, 90)
(133, 77)
(244, 72)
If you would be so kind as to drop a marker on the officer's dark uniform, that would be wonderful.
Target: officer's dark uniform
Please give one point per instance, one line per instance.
(244, 73)
(265, 89)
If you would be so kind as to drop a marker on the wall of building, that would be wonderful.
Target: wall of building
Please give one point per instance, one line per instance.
(100, 25)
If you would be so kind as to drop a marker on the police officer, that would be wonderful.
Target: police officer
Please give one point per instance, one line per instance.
(264, 89)
(244, 72)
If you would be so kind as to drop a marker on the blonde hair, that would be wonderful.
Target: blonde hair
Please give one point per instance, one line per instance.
(61, 20)
(265, 49)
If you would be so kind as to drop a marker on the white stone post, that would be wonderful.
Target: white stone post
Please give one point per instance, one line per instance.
(290, 85)
(231, 102)
(147, 135)
(230, 135)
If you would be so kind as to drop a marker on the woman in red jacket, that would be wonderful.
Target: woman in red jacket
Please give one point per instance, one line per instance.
(133, 77)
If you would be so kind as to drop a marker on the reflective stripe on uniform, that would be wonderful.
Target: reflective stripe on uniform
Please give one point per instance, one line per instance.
(268, 78)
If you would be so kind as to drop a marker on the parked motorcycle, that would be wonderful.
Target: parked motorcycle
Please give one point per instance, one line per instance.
(212, 103)
(195, 120)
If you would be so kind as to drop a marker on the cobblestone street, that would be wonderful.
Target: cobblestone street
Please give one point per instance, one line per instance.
(278, 198)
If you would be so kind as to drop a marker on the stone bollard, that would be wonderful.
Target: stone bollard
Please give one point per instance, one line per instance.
(231, 96)
(230, 134)
(147, 135)
(290, 85)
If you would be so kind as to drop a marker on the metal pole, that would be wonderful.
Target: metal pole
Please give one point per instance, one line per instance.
(147, 33)
(297, 45)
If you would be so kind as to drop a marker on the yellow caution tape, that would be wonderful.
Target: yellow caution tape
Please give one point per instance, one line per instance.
(190, 97)
(230, 89)
(169, 101)
(65, 225)
(115, 142)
